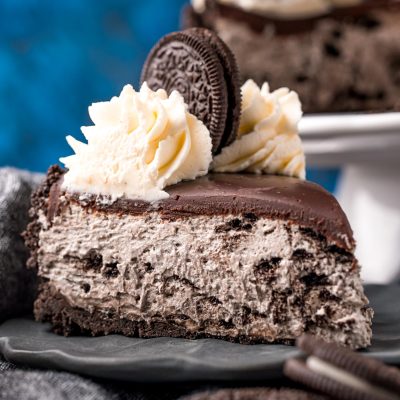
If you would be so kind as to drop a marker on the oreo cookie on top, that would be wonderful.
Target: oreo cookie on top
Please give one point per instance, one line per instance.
(201, 67)
(341, 373)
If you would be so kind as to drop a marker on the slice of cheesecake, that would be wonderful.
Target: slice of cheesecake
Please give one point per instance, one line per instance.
(246, 258)
(140, 238)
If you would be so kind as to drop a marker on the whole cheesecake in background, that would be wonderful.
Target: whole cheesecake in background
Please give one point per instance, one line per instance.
(137, 237)
(338, 55)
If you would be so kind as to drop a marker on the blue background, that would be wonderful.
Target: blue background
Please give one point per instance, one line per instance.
(57, 57)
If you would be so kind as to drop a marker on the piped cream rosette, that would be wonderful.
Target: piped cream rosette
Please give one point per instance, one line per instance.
(140, 143)
(268, 141)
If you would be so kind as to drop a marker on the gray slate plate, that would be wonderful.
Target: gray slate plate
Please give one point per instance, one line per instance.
(166, 359)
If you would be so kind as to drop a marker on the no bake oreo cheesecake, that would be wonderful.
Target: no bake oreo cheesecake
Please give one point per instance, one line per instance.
(338, 55)
(147, 233)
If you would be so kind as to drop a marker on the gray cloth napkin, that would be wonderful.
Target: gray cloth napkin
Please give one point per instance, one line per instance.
(25, 384)
(19, 384)
(17, 291)
(17, 284)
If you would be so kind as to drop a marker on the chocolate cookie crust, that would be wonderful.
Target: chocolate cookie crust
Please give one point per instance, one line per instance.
(51, 306)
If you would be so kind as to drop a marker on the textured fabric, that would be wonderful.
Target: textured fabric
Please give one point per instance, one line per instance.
(16, 282)
(49, 385)
(25, 384)
(5, 366)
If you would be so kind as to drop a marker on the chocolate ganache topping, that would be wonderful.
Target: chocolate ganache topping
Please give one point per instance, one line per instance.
(300, 202)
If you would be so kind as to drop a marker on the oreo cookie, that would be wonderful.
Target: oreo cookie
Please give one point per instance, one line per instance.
(254, 394)
(341, 373)
(202, 69)
(232, 79)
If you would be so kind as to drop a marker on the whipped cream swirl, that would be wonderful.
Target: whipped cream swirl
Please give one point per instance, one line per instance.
(140, 143)
(285, 9)
(268, 140)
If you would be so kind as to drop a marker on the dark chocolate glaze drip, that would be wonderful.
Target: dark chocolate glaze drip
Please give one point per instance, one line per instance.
(300, 202)
(258, 22)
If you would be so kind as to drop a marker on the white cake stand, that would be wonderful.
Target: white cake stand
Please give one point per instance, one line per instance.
(367, 149)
